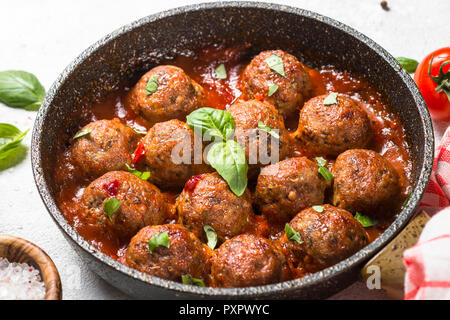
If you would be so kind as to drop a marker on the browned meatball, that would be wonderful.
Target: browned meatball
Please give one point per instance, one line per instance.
(142, 204)
(285, 188)
(108, 146)
(248, 260)
(332, 129)
(185, 254)
(175, 97)
(257, 143)
(207, 200)
(327, 238)
(169, 154)
(365, 182)
(292, 89)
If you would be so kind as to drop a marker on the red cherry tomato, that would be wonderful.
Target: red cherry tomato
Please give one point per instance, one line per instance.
(435, 88)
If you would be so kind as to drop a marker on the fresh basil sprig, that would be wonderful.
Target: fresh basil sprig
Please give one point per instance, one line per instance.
(145, 175)
(10, 139)
(159, 239)
(211, 235)
(21, 89)
(410, 65)
(291, 234)
(226, 156)
(364, 220)
(213, 123)
(187, 279)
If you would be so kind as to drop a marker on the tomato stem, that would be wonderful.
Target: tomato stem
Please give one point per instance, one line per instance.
(442, 80)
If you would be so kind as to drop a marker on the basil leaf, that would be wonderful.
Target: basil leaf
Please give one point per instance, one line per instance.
(291, 234)
(331, 99)
(137, 131)
(111, 205)
(228, 158)
(410, 65)
(272, 89)
(21, 89)
(276, 64)
(221, 72)
(152, 85)
(10, 139)
(318, 208)
(187, 279)
(82, 133)
(142, 175)
(326, 174)
(268, 129)
(159, 239)
(212, 122)
(211, 235)
(364, 220)
(407, 199)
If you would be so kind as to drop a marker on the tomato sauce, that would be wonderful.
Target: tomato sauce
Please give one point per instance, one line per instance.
(389, 136)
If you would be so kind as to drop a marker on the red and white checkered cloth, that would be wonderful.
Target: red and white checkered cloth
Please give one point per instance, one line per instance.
(428, 262)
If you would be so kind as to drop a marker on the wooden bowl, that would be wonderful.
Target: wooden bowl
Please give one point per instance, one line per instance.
(22, 251)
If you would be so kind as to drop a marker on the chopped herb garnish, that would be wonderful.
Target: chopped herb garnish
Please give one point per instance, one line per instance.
(187, 279)
(152, 85)
(276, 64)
(326, 174)
(211, 235)
(221, 72)
(364, 220)
(111, 205)
(272, 89)
(331, 99)
(82, 133)
(407, 199)
(159, 239)
(291, 234)
(138, 131)
(268, 129)
(318, 208)
(142, 175)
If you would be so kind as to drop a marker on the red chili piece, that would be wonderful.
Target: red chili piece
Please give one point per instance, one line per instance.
(112, 188)
(139, 153)
(192, 183)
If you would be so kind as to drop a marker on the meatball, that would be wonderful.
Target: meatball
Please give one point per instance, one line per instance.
(257, 142)
(285, 188)
(207, 200)
(366, 182)
(258, 77)
(176, 95)
(170, 155)
(327, 238)
(142, 204)
(248, 260)
(332, 129)
(185, 254)
(107, 146)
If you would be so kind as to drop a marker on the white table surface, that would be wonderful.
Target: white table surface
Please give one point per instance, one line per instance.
(44, 36)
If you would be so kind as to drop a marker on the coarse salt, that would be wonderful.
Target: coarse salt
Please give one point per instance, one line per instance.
(20, 281)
